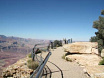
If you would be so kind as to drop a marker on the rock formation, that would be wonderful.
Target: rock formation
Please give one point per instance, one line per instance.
(81, 47)
(18, 70)
(85, 59)
(102, 53)
(95, 71)
(85, 54)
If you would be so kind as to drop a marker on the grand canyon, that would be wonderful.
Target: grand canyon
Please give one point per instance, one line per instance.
(15, 48)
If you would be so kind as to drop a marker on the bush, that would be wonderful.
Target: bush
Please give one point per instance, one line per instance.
(57, 43)
(29, 55)
(68, 59)
(32, 64)
(101, 62)
(63, 57)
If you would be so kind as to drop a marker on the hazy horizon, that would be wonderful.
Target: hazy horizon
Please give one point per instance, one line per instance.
(51, 20)
(46, 39)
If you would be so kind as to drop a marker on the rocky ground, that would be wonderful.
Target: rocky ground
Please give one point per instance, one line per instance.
(18, 69)
(86, 55)
(85, 59)
(9, 58)
(59, 67)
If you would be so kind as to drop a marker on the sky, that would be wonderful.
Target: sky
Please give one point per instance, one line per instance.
(50, 19)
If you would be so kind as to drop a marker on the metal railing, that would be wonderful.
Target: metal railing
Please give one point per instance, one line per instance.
(38, 72)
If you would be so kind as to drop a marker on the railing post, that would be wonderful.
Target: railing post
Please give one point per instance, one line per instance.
(33, 54)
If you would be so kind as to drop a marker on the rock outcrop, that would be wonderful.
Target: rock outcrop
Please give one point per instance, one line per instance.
(86, 55)
(82, 47)
(18, 70)
(102, 53)
(85, 59)
(95, 71)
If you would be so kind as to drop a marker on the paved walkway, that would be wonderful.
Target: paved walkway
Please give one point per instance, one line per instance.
(60, 68)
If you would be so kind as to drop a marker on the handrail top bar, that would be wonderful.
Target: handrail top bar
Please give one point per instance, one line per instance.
(41, 66)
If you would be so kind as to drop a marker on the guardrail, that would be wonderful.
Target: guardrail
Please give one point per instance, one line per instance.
(38, 72)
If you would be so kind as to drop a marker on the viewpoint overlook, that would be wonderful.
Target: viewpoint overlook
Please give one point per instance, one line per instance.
(51, 38)
(75, 60)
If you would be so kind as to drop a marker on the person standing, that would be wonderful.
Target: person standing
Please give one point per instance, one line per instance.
(51, 45)
(48, 47)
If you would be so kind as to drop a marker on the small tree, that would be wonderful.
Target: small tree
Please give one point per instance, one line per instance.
(57, 43)
(99, 25)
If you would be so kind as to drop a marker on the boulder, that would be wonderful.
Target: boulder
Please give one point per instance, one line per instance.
(82, 47)
(85, 59)
(95, 71)
(102, 53)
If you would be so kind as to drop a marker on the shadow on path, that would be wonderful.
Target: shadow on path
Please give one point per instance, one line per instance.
(48, 73)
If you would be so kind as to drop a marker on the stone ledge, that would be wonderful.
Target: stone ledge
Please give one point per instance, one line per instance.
(95, 71)
(18, 70)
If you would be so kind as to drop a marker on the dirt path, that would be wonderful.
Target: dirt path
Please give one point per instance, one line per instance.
(60, 68)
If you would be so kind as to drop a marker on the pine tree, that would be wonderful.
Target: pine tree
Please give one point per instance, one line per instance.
(99, 25)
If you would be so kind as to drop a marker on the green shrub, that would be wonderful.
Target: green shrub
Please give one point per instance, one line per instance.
(93, 39)
(29, 60)
(101, 62)
(68, 59)
(63, 57)
(57, 43)
(29, 55)
(67, 53)
(99, 25)
(32, 64)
